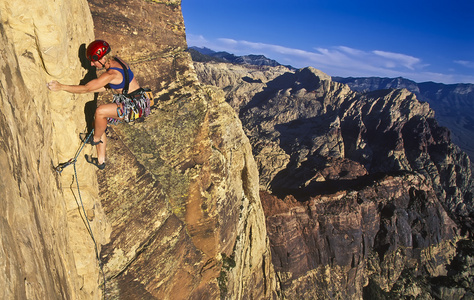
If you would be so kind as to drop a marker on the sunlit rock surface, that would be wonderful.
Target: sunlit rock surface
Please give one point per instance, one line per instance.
(176, 214)
(46, 250)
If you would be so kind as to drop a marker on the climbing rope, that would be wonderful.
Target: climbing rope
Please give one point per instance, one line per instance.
(59, 169)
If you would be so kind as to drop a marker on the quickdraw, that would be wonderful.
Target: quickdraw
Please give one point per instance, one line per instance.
(59, 168)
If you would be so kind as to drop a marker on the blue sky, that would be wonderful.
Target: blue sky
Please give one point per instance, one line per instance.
(420, 40)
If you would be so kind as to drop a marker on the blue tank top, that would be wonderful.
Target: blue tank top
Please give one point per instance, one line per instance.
(122, 84)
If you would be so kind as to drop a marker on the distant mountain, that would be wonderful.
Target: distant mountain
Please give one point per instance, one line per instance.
(368, 84)
(206, 55)
(452, 103)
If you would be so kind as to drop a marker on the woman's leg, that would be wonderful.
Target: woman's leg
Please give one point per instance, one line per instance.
(103, 112)
(101, 149)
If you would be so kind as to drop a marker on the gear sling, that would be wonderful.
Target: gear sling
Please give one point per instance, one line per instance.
(131, 106)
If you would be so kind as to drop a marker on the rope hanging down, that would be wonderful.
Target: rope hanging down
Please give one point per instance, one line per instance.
(59, 169)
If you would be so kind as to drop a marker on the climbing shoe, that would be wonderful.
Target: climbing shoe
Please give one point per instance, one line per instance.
(95, 162)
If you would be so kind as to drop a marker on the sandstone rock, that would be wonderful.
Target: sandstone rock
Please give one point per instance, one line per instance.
(239, 82)
(192, 206)
(338, 234)
(47, 251)
(149, 35)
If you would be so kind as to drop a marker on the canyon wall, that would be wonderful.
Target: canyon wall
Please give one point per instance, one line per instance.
(176, 214)
(452, 102)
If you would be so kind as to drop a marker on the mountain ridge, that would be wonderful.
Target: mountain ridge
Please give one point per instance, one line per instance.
(232, 57)
(453, 103)
(205, 54)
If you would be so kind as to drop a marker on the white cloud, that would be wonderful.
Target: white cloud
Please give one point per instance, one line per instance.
(338, 61)
(229, 42)
(395, 59)
(465, 63)
(196, 40)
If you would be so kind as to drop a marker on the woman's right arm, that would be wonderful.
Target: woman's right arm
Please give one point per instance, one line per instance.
(93, 86)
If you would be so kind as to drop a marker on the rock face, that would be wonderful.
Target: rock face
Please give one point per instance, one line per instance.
(175, 215)
(364, 194)
(189, 222)
(46, 250)
(149, 35)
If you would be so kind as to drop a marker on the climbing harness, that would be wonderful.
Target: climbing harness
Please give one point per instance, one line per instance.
(59, 169)
(131, 106)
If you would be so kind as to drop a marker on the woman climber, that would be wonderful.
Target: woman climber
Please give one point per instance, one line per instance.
(114, 77)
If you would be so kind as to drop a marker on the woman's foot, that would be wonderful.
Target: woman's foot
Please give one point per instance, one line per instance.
(95, 162)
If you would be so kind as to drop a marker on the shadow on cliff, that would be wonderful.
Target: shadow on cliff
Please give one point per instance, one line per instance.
(327, 187)
(301, 179)
(303, 78)
(282, 82)
(90, 106)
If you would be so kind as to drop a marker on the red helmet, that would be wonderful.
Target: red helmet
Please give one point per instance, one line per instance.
(97, 49)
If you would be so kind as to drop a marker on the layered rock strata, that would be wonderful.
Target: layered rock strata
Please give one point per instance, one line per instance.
(332, 245)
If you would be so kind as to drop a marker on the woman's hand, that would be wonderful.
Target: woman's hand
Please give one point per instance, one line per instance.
(54, 86)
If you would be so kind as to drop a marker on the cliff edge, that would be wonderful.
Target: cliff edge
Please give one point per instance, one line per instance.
(175, 215)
